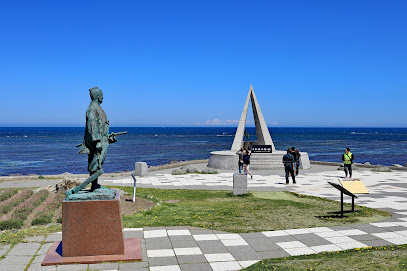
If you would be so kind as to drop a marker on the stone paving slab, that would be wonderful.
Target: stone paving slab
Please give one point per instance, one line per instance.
(104, 266)
(24, 249)
(12, 267)
(4, 249)
(16, 260)
(35, 239)
(73, 267)
(38, 267)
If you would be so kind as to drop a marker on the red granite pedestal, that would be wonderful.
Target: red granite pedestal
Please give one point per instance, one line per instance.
(92, 233)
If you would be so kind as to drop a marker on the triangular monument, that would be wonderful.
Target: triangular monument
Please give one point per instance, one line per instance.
(262, 132)
(228, 159)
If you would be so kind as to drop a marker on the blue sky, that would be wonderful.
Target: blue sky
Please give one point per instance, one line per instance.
(191, 63)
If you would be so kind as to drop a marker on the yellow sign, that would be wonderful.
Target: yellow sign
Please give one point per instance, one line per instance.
(355, 187)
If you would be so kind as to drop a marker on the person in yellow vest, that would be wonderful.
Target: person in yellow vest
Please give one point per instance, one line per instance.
(347, 159)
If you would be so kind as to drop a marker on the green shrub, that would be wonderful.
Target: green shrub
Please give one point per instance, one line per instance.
(42, 220)
(11, 224)
(7, 193)
(7, 205)
(25, 208)
(47, 210)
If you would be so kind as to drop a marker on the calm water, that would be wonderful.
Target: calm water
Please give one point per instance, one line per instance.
(53, 151)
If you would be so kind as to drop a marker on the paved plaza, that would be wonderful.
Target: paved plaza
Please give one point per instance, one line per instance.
(190, 248)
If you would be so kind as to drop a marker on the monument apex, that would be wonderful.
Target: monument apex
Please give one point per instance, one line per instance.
(262, 132)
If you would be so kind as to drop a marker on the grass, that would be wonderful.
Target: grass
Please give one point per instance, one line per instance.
(220, 210)
(370, 258)
(17, 236)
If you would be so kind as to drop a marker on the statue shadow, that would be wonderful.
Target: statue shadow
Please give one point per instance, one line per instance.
(59, 249)
(335, 214)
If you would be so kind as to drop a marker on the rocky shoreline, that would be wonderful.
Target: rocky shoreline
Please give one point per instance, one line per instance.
(365, 165)
(175, 164)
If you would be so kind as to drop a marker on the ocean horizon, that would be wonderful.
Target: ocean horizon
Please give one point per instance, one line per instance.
(51, 150)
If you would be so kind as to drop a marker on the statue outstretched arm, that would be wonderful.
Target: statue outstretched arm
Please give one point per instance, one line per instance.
(112, 136)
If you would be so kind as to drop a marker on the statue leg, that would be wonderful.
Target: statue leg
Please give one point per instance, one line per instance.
(96, 163)
(93, 167)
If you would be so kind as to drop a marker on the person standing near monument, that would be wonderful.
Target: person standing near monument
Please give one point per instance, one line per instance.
(246, 163)
(240, 164)
(294, 154)
(289, 165)
(297, 161)
(347, 159)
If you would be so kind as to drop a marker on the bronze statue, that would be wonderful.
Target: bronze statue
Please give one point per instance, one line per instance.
(95, 143)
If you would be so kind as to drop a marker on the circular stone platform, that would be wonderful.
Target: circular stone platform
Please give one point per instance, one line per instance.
(229, 160)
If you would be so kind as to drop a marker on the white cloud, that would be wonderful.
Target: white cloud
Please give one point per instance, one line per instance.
(221, 122)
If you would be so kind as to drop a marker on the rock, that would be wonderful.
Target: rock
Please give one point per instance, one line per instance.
(184, 170)
(209, 171)
(397, 165)
(66, 183)
(405, 165)
(382, 169)
(190, 169)
(367, 164)
(50, 188)
(176, 172)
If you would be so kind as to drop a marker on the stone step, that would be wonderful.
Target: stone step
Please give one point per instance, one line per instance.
(266, 161)
(265, 168)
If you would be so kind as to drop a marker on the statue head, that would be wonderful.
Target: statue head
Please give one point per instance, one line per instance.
(96, 95)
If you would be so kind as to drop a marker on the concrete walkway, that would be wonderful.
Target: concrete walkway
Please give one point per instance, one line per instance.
(189, 248)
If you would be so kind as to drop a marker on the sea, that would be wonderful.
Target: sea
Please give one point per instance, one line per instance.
(42, 151)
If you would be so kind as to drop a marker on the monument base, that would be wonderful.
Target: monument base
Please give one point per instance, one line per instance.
(258, 161)
(92, 227)
(132, 252)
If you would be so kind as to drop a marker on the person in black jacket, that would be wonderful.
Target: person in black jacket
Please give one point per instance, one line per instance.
(246, 163)
(289, 165)
(297, 162)
(240, 164)
(294, 154)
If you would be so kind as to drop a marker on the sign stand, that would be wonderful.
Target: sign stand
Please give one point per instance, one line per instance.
(347, 192)
(134, 187)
